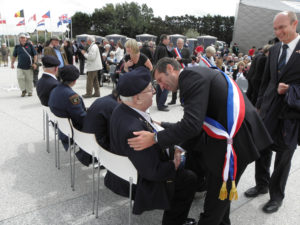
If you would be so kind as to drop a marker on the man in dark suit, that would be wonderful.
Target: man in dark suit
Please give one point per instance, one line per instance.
(48, 81)
(162, 51)
(205, 95)
(183, 56)
(97, 121)
(282, 70)
(161, 183)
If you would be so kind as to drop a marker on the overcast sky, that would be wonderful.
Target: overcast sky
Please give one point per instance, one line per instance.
(58, 7)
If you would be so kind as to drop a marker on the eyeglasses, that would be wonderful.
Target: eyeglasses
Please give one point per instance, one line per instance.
(151, 90)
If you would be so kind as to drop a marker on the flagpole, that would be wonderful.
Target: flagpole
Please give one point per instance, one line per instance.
(71, 28)
(24, 21)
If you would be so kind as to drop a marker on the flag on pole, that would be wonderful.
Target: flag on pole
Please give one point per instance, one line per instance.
(59, 23)
(21, 23)
(63, 17)
(20, 13)
(41, 23)
(47, 15)
(32, 18)
(2, 21)
(68, 20)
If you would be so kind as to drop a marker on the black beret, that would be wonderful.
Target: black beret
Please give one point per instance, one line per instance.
(69, 73)
(134, 82)
(50, 61)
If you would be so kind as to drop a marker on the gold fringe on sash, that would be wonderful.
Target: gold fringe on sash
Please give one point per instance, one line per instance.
(223, 192)
(233, 192)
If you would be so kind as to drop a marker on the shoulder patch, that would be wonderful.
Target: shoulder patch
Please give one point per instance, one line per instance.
(75, 99)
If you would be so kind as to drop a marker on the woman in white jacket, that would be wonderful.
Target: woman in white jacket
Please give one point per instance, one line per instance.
(93, 65)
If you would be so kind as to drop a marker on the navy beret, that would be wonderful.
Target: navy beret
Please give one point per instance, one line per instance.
(134, 82)
(69, 73)
(50, 61)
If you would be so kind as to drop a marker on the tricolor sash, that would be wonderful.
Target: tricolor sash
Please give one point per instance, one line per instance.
(177, 52)
(235, 118)
(206, 61)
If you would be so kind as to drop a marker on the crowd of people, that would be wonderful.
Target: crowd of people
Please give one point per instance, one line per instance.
(219, 121)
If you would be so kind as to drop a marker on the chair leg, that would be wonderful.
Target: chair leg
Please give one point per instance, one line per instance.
(98, 186)
(93, 188)
(47, 133)
(71, 166)
(130, 200)
(58, 155)
(55, 150)
(44, 121)
(74, 167)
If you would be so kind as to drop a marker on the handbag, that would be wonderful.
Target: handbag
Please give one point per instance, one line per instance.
(292, 97)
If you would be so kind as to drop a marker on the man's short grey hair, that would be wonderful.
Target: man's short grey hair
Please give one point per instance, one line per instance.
(126, 99)
(180, 39)
(161, 65)
(90, 38)
(210, 49)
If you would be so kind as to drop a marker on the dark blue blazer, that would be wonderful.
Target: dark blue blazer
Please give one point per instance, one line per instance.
(44, 87)
(156, 172)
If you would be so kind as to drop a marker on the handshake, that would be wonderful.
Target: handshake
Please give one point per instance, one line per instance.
(179, 157)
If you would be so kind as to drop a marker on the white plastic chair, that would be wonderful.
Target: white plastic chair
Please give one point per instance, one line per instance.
(87, 142)
(122, 167)
(48, 120)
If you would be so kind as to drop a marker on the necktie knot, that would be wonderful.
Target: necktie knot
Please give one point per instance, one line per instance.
(285, 46)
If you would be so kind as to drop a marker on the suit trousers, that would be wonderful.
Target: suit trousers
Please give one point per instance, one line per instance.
(174, 96)
(81, 65)
(216, 211)
(161, 96)
(92, 82)
(25, 80)
(277, 181)
(185, 188)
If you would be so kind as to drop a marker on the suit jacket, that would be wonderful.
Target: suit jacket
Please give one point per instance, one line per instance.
(155, 171)
(50, 51)
(273, 108)
(161, 51)
(44, 87)
(185, 56)
(204, 93)
(97, 120)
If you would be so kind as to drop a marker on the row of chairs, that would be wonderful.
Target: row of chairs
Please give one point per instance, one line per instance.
(121, 166)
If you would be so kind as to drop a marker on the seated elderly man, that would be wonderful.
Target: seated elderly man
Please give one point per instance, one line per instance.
(65, 103)
(97, 121)
(162, 184)
(48, 81)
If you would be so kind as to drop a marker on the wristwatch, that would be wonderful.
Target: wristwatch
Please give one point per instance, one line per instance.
(155, 137)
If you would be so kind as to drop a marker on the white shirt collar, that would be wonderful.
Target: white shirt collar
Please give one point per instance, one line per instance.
(293, 43)
(51, 75)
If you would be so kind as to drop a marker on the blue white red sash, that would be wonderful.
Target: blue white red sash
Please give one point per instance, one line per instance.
(178, 54)
(206, 61)
(235, 118)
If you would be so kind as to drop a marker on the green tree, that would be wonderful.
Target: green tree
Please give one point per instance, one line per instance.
(81, 23)
(191, 33)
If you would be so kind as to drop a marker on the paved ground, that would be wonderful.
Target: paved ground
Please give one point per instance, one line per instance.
(33, 191)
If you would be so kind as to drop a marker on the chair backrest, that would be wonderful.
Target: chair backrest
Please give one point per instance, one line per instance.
(121, 166)
(64, 126)
(242, 82)
(86, 141)
(47, 110)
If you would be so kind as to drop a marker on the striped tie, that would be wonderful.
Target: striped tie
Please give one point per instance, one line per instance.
(282, 59)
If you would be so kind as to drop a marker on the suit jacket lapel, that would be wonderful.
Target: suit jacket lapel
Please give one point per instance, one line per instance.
(291, 62)
(275, 59)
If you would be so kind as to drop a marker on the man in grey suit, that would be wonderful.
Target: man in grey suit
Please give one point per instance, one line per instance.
(283, 122)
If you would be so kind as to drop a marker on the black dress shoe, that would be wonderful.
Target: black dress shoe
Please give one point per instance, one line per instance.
(164, 109)
(172, 103)
(190, 221)
(272, 206)
(255, 191)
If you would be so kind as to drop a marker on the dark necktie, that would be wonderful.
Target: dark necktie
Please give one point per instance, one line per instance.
(282, 58)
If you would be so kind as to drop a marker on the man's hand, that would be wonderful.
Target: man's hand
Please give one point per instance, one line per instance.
(34, 66)
(282, 88)
(12, 65)
(157, 122)
(82, 52)
(144, 139)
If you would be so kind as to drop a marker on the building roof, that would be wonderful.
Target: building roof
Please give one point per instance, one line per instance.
(280, 5)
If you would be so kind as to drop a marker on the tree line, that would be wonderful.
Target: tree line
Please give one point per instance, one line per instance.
(131, 19)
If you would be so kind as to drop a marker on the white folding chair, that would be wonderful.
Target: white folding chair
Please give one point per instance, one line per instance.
(242, 82)
(63, 124)
(48, 120)
(87, 142)
(122, 167)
